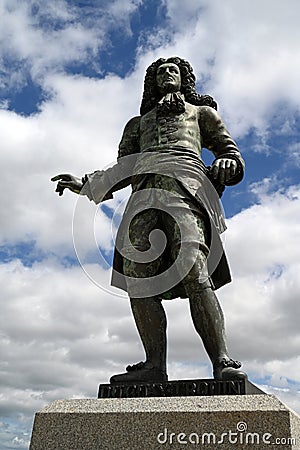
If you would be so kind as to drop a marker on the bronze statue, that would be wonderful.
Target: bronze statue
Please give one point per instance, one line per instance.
(172, 191)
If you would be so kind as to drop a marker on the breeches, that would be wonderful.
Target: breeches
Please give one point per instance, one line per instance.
(160, 240)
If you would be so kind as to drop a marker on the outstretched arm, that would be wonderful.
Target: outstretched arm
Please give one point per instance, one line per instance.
(97, 186)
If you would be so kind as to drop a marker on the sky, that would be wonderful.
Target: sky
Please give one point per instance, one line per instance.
(71, 76)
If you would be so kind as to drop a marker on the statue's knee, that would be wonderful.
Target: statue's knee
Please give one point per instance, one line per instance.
(191, 263)
(184, 253)
(206, 283)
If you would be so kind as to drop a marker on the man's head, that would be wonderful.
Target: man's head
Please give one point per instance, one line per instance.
(171, 75)
(168, 78)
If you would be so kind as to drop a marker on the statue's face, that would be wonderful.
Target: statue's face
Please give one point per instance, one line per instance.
(168, 78)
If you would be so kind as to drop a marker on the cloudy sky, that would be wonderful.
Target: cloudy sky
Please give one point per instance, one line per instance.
(71, 76)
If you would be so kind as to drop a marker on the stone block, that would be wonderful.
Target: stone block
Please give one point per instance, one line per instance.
(213, 422)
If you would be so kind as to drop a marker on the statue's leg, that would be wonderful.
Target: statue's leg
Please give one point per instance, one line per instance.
(151, 323)
(208, 318)
(148, 313)
(205, 309)
(209, 323)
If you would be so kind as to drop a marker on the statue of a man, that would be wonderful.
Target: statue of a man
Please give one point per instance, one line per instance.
(172, 191)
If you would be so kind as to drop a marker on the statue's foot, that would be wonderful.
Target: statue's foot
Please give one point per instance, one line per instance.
(143, 372)
(227, 369)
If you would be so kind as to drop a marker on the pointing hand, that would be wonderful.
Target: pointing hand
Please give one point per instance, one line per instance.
(67, 181)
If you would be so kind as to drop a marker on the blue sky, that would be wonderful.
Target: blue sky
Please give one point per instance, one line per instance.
(71, 76)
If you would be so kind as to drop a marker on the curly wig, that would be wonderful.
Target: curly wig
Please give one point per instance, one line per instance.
(188, 85)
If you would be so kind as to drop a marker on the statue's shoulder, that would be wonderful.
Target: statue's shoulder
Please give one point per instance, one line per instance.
(133, 124)
(208, 115)
(208, 111)
(130, 138)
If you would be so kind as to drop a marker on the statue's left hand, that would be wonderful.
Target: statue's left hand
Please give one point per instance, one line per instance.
(223, 169)
(67, 181)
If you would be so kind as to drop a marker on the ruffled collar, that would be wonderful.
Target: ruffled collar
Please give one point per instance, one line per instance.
(171, 103)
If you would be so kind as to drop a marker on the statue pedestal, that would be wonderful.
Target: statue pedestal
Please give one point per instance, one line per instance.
(223, 422)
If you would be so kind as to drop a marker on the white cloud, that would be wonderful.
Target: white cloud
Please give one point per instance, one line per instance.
(275, 222)
(39, 37)
(40, 49)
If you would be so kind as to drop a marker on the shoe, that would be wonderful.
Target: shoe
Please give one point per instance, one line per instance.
(227, 369)
(142, 372)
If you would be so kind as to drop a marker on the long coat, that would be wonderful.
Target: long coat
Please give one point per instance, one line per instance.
(171, 145)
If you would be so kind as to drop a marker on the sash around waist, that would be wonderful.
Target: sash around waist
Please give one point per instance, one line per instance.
(170, 161)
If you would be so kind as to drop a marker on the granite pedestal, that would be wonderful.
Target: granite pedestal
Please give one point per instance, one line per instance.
(210, 422)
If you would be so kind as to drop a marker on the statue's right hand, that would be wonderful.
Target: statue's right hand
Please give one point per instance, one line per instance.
(67, 181)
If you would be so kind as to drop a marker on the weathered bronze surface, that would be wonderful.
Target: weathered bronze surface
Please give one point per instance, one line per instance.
(168, 243)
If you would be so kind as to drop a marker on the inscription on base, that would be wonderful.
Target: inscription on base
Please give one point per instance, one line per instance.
(182, 388)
